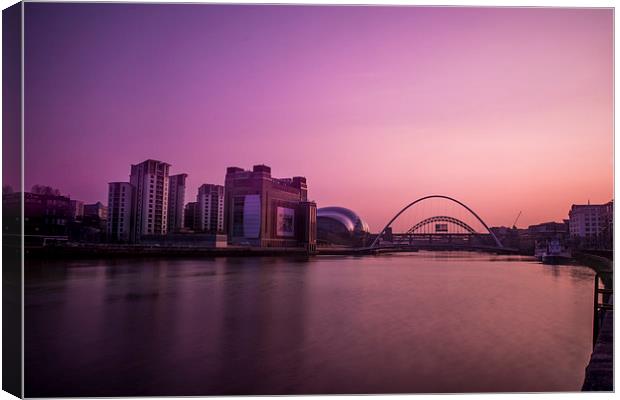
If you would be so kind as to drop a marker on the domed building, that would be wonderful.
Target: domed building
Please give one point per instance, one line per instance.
(340, 226)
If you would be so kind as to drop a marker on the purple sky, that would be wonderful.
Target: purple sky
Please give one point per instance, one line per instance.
(505, 109)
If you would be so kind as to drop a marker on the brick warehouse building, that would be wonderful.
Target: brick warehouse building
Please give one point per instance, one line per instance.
(46, 216)
(263, 211)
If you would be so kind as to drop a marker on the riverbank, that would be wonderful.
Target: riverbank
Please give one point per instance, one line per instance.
(109, 250)
(96, 250)
(604, 266)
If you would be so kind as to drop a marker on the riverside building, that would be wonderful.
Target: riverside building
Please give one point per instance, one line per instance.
(592, 224)
(77, 209)
(210, 208)
(150, 182)
(268, 212)
(97, 210)
(190, 216)
(45, 216)
(176, 201)
(120, 204)
(341, 226)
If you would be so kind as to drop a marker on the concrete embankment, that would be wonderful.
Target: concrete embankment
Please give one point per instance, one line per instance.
(117, 251)
(100, 250)
(599, 372)
(107, 250)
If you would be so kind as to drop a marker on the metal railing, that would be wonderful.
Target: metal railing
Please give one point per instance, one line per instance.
(600, 306)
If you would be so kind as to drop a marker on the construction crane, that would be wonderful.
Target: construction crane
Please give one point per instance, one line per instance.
(514, 225)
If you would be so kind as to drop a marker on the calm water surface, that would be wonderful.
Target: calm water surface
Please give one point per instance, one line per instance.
(425, 322)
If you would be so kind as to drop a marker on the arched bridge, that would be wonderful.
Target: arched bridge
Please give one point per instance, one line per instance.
(441, 218)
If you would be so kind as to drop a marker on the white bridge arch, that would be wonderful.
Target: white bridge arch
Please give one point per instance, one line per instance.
(376, 241)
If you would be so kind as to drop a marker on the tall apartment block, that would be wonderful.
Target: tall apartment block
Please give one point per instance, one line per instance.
(210, 208)
(190, 216)
(120, 204)
(150, 180)
(176, 202)
(268, 212)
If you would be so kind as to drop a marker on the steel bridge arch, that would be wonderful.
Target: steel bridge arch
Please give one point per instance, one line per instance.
(438, 196)
(441, 218)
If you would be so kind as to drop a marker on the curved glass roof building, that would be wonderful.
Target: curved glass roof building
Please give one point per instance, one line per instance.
(341, 226)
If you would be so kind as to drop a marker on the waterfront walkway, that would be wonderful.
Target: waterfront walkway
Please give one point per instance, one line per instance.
(600, 369)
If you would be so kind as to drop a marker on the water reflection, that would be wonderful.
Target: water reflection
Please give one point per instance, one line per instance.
(408, 323)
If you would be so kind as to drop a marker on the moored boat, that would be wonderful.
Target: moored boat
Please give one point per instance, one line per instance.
(555, 253)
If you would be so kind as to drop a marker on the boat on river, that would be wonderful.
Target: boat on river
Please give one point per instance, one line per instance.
(554, 252)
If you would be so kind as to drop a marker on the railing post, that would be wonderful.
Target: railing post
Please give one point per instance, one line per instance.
(595, 316)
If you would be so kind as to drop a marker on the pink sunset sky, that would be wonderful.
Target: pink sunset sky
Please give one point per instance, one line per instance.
(505, 109)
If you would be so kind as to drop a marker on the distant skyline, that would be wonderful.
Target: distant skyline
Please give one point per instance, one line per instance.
(506, 109)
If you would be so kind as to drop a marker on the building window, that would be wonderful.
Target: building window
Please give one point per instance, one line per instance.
(238, 203)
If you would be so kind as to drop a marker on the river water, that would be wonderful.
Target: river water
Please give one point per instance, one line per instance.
(408, 323)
